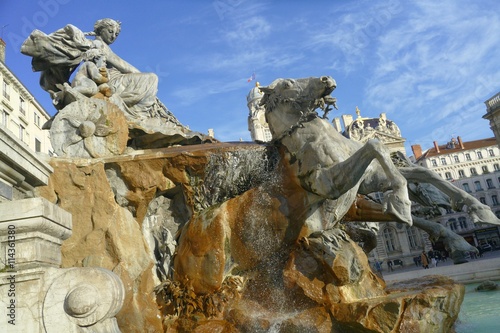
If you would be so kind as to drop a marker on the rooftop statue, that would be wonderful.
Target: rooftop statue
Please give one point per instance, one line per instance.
(102, 74)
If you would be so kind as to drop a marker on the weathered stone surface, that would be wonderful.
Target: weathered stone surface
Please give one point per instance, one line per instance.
(89, 128)
(311, 320)
(40, 296)
(133, 213)
(433, 307)
(114, 201)
(38, 229)
(74, 301)
(330, 268)
(106, 235)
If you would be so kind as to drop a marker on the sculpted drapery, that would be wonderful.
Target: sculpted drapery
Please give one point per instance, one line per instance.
(101, 74)
(58, 54)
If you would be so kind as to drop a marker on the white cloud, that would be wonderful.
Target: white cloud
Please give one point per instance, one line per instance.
(248, 31)
(435, 68)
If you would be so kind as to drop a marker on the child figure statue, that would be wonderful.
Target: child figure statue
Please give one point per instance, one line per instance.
(92, 75)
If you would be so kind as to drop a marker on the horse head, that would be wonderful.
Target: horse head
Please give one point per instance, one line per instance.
(290, 99)
(300, 92)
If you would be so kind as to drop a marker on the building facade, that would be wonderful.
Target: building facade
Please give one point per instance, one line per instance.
(397, 242)
(20, 113)
(473, 166)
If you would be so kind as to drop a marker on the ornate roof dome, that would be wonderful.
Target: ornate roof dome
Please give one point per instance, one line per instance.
(255, 93)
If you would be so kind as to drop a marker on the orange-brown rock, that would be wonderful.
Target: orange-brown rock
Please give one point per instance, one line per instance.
(332, 275)
(229, 213)
(105, 235)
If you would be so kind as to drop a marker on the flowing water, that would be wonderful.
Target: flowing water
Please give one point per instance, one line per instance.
(480, 312)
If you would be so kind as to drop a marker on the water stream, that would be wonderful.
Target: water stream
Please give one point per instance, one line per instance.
(480, 311)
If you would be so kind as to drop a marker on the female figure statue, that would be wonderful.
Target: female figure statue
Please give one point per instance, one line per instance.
(136, 90)
(58, 54)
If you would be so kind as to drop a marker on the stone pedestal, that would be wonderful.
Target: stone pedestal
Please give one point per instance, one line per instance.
(36, 295)
(31, 233)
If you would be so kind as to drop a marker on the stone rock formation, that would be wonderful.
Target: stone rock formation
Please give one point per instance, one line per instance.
(262, 268)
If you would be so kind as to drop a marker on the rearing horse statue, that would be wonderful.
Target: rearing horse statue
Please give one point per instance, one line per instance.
(331, 166)
(327, 164)
(317, 182)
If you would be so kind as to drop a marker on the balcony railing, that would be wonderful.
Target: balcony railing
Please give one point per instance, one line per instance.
(493, 102)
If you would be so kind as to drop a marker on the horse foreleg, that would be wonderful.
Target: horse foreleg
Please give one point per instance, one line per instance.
(455, 244)
(477, 211)
(333, 181)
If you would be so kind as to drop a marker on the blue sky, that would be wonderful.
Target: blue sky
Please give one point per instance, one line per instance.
(429, 65)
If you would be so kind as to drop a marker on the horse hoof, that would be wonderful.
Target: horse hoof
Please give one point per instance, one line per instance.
(399, 208)
(482, 214)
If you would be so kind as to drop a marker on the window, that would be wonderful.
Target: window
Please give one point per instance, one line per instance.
(434, 163)
(379, 197)
(390, 239)
(443, 161)
(22, 131)
(489, 183)
(483, 200)
(496, 167)
(491, 152)
(36, 119)
(447, 175)
(473, 172)
(466, 187)
(22, 106)
(477, 183)
(461, 173)
(412, 237)
(457, 160)
(485, 169)
(463, 222)
(479, 155)
(5, 118)
(6, 90)
(467, 157)
(38, 145)
(452, 224)
(494, 200)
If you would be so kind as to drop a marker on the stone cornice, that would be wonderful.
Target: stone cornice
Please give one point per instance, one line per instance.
(23, 91)
(22, 160)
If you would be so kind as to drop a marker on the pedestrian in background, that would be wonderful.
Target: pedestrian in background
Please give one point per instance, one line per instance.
(425, 260)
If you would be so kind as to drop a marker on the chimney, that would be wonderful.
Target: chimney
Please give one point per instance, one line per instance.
(460, 143)
(2, 50)
(436, 147)
(417, 151)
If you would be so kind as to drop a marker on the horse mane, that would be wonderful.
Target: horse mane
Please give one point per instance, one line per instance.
(272, 99)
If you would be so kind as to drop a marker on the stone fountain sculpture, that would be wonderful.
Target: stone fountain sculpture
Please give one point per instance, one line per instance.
(289, 227)
(107, 97)
(229, 237)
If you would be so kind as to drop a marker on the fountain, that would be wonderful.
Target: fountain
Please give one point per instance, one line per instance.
(231, 237)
